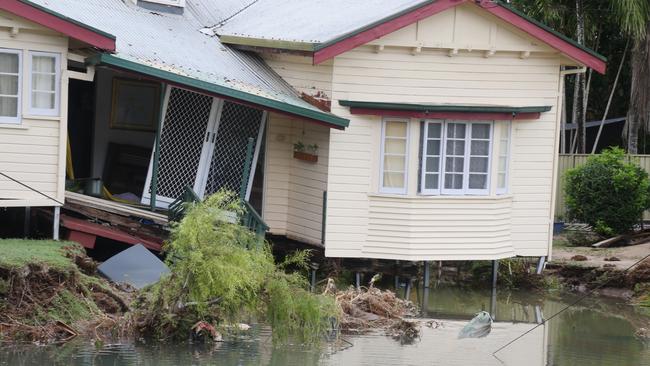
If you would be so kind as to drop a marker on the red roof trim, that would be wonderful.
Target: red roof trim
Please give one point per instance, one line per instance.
(431, 9)
(59, 24)
(383, 29)
(546, 37)
(464, 116)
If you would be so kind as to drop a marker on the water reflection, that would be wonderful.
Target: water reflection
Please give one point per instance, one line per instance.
(598, 332)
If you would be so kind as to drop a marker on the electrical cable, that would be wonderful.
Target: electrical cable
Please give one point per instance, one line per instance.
(31, 188)
(589, 293)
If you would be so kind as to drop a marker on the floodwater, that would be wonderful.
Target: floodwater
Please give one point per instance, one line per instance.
(597, 331)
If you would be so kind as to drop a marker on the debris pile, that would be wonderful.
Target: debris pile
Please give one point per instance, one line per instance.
(369, 308)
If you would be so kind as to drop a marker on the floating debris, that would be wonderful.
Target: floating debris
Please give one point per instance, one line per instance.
(479, 327)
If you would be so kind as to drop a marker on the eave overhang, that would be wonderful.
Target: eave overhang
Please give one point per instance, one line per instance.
(255, 101)
(445, 111)
(60, 23)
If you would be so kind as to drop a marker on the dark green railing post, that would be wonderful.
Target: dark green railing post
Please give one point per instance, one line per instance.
(156, 149)
(247, 168)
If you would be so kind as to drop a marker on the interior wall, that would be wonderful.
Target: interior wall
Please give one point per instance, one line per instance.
(103, 134)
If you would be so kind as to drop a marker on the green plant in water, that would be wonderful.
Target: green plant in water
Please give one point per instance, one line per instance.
(221, 272)
(607, 192)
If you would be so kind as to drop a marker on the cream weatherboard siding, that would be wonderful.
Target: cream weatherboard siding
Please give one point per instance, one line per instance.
(33, 151)
(363, 223)
(293, 189)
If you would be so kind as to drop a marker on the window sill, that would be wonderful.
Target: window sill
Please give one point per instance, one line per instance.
(14, 126)
(42, 117)
(440, 197)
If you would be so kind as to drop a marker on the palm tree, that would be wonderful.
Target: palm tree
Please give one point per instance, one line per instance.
(633, 16)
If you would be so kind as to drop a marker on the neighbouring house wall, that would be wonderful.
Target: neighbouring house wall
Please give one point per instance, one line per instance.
(103, 133)
(33, 151)
(293, 189)
(363, 223)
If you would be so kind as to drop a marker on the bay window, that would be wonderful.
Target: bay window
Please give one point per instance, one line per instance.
(394, 156)
(504, 152)
(10, 86)
(456, 158)
(44, 83)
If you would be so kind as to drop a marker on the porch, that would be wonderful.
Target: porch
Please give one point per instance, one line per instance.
(139, 147)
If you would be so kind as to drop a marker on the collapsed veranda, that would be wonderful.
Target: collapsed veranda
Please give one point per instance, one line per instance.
(408, 130)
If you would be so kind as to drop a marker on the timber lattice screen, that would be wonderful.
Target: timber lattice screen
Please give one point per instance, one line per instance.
(567, 162)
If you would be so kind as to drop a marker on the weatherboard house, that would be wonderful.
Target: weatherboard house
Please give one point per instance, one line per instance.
(394, 129)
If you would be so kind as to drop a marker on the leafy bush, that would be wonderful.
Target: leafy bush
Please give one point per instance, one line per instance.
(580, 238)
(222, 274)
(607, 193)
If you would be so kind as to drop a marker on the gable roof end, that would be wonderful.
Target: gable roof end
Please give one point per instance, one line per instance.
(60, 23)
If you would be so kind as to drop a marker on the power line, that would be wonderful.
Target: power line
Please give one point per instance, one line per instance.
(31, 188)
(567, 307)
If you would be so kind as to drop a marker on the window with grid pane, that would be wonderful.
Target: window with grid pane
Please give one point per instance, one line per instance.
(44, 85)
(394, 156)
(456, 157)
(10, 86)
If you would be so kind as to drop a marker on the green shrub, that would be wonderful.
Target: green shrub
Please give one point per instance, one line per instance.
(607, 193)
(223, 274)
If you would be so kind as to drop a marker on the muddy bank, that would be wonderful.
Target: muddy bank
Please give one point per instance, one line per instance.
(49, 293)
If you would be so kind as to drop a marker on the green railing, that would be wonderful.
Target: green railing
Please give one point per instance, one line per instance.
(177, 209)
(252, 220)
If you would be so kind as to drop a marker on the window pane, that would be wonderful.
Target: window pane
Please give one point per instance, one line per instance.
(394, 146)
(9, 84)
(478, 165)
(477, 181)
(480, 131)
(9, 63)
(8, 107)
(393, 180)
(431, 181)
(396, 129)
(456, 130)
(43, 64)
(501, 180)
(43, 100)
(453, 181)
(434, 130)
(455, 147)
(455, 165)
(433, 164)
(433, 147)
(505, 129)
(42, 82)
(502, 163)
(394, 163)
(480, 147)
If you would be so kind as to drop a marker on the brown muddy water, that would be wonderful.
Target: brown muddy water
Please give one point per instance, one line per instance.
(596, 332)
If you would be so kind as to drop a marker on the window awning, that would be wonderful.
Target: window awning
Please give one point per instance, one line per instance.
(445, 111)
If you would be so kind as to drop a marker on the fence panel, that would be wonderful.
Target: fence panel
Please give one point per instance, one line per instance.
(568, 161)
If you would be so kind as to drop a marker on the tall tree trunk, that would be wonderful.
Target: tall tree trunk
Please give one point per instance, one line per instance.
(579, 87)
(638, 114)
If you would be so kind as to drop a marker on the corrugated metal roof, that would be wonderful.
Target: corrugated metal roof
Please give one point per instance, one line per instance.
(212, 12)
(310, 21)
(175, 44)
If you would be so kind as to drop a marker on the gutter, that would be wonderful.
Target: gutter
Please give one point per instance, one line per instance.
(219, 90)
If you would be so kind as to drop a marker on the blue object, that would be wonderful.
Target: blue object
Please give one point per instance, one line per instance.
(135, 266)
(558, 227)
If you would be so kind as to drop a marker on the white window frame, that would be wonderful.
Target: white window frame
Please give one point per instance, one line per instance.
(178, 3)
(504, 190)
(392, 190)
(425, 154)
(465, 191)
(57, 84)
(18, 118)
